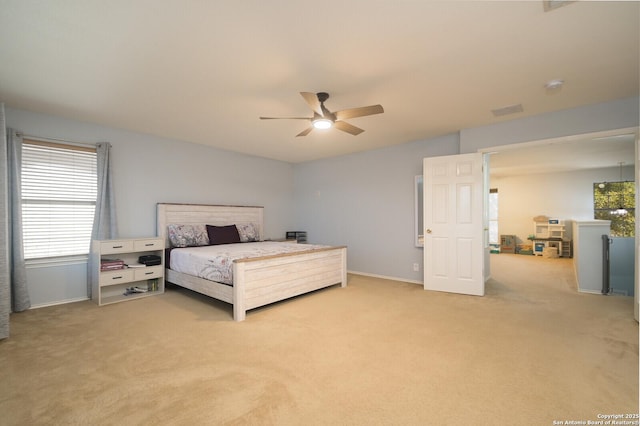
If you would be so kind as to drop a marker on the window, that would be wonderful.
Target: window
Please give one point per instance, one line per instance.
(493, 216)
(615, 201)
(59, 190)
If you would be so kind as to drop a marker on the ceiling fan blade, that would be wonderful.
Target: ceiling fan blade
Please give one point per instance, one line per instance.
(285, 118)
(312, 100)
(358, 112)
(346, 127)
(305, 132)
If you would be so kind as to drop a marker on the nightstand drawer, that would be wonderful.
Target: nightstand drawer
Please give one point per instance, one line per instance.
(111, 247)
(116, 277)
(148, 272)
(141, 245)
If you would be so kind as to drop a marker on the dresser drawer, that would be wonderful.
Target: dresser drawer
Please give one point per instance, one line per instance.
(148, 272)
(116, 277)
(111, 247)
(143, 245)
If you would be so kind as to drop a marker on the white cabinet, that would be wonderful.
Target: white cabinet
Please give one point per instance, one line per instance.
(550, 233)
(110, 286)
(549, 230)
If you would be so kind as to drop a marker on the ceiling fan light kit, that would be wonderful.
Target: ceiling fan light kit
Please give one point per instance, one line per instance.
(554, 84)
(325, 119)
(322, 123)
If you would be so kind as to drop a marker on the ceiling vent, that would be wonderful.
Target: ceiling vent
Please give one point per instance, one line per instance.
(511, 109)
(550, 5)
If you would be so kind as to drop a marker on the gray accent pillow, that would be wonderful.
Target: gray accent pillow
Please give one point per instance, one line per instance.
(188, 235)
(248, 232)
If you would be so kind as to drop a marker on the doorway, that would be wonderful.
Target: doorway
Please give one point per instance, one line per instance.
(554, 178)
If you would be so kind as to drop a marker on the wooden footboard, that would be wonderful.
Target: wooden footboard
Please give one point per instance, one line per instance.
(264, 280)
(260, 281)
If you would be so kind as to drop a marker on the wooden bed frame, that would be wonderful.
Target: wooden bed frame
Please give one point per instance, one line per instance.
(256, 281)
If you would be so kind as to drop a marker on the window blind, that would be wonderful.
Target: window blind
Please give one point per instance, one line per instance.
(59, 190)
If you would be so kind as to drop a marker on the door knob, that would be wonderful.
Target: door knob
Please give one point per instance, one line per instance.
(428, 231)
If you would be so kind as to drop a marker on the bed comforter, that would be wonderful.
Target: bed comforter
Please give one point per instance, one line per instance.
(215, 263)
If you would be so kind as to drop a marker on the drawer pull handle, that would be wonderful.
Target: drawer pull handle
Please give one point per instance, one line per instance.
(116, 278)
(117, 246)
(148, 245)
(148, 273)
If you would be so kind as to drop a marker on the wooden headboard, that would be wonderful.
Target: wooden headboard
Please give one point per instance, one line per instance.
(192, 214)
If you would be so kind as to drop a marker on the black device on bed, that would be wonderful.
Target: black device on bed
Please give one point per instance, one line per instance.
(150, 260)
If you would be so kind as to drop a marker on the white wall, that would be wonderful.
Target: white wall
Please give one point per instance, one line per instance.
(619, 114)
(366, 201)
(148, 170)
(567, 196)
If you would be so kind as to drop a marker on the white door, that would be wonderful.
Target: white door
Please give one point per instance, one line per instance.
(454, 224)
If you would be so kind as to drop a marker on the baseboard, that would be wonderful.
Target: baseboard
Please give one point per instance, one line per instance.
(59, 302)
(599, 292)
(619, 292)
(385, 277)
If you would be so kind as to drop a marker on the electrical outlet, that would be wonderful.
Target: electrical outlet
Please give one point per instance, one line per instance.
(416, 267)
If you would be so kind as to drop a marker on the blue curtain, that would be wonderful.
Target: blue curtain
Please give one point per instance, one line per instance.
(19, 293)
(14, 295)
(5, 292)
(104, 220)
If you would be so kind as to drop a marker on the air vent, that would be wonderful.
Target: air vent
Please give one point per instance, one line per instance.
(511, 109)
(550, 5)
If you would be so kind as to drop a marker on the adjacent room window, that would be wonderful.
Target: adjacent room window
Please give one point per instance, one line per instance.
(59, 190)
(493, 216)
(615, 201)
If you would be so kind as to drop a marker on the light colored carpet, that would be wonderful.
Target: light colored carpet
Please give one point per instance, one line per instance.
(378, 352)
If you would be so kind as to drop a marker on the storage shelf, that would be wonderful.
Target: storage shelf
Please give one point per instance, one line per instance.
(122, 298)
(550, 234)
(548, 230)
(109, 286)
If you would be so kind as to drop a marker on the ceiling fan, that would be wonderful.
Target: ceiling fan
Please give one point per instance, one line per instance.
(324, 119)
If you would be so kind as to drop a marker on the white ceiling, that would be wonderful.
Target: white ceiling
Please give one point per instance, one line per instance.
(565, 155)
(205, 71)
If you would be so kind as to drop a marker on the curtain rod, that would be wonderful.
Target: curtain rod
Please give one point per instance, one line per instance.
(41, 139)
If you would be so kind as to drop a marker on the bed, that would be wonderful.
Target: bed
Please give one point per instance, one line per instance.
(256, 280)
